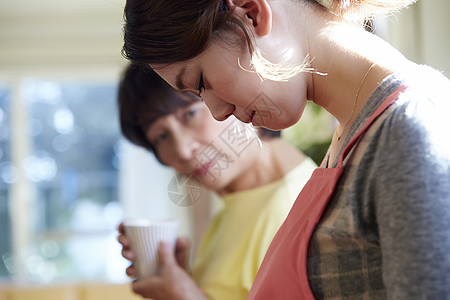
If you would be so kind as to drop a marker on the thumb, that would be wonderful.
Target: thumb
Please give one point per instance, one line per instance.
(166, 254)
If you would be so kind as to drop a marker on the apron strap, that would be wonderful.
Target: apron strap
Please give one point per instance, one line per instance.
(386, 103)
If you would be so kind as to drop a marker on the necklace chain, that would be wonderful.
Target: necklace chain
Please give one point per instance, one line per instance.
(338, 136)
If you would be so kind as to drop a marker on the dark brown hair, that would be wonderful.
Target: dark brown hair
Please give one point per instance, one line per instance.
(169, 31)
(143, 97)
(164, 32)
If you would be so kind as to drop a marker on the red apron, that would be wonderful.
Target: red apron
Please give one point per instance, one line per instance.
(283, 272)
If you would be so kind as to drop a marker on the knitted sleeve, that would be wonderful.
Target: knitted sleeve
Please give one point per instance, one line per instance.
(413, 201)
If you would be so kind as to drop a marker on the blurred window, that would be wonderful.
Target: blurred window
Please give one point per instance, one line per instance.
(6, 173)
(70, 171)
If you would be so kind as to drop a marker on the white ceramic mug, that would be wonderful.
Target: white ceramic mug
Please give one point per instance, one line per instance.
(145, 236)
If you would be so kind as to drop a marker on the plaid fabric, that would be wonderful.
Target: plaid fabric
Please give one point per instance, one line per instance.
(344, 259)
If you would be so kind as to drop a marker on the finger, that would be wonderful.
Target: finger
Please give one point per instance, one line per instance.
(124, 241)
(166, 254)
(128, 254)
(182, 243)
(182, 252)
(131, 271)
(121, 228)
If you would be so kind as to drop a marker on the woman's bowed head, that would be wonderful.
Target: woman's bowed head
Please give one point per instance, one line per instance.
(232, 51)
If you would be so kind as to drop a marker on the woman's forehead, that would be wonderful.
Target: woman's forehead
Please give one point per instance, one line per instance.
(175, 115)
(177, 74)
(170, 73)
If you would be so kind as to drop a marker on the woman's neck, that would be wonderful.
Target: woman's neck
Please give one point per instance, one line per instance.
(355, 62)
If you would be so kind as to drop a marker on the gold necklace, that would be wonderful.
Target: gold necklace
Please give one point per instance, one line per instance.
(354, 104)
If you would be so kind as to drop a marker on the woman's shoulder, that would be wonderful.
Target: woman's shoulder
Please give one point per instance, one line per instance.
(412, 131)
(425, 103)
(413, 127)
(426, 100)
(425, 82)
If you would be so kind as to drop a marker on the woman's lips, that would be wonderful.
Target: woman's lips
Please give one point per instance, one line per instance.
(204, 169)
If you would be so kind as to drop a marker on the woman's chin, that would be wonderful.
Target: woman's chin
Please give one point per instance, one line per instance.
(213, 183)
(273, 124)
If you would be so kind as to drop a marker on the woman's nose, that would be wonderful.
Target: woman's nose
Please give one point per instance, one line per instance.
(219, 109)
(185, 145)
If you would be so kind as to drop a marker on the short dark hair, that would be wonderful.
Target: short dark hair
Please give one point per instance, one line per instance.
(143, 97)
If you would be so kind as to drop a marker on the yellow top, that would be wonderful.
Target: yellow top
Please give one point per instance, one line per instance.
(236, 241)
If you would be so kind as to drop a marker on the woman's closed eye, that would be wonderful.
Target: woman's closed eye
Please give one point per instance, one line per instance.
(201, 86)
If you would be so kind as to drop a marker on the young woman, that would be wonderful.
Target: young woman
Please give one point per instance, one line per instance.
(373, 221)
(258, 180)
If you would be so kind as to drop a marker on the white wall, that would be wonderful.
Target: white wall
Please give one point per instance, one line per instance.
(143, 192)
(55, 33)
(421, 33)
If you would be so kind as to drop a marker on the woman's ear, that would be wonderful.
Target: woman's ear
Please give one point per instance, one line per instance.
(257, 14)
